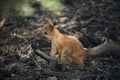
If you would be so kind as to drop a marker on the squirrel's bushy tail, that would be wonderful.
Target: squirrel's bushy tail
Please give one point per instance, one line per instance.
(105, 48)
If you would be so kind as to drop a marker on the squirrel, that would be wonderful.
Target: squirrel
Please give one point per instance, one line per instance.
(70, 49)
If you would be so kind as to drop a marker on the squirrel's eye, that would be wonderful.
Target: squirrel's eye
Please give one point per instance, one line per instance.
(45, 32)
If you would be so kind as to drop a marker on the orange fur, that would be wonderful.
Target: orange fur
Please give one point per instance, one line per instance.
(69, 49)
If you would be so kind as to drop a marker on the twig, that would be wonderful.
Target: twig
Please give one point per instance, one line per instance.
(102, 70)
(33, 57)
(106, 59)
(46, 57)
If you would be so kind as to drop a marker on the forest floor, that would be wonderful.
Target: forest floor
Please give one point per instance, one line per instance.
(92, 22)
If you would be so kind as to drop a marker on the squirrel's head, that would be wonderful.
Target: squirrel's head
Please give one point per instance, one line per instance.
(49, 31)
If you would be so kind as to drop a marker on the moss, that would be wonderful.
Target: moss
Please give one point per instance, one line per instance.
(54, 6)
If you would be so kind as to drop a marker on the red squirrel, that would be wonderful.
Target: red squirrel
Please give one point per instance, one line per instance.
(69, 48)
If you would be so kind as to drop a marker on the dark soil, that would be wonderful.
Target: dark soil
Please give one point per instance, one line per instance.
(92, 21)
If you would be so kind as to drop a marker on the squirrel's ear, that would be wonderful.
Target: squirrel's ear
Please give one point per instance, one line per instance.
(51, 26)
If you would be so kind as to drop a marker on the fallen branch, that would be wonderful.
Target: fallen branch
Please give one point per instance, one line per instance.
(46, 57)
(59, 65)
